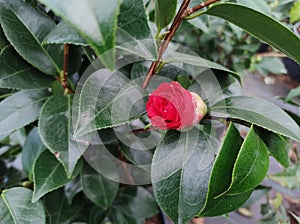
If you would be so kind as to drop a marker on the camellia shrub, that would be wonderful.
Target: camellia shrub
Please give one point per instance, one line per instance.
(103, 119)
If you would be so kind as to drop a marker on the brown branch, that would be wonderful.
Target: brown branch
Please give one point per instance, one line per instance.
(165, 43)
(64, 76)
(183, 12)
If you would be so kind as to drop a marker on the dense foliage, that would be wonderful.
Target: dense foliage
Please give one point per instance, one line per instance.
(75, 141)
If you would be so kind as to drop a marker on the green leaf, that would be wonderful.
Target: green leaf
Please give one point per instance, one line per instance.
(137, 202)
(259, 112)
(289, 177)
(134, 34)
(59, 210)
(118, 107)
(16, 207)
(95, 20)
(20, 20)
(55, 126)
(251, 165)
(295, 12)
(293, 94)
(164, 12)
(259, 5)
(48, 175)
(198, 61)
(20, 109)
(180, 173)
(221, 175)
(18, 74)
(72, 188)
(3, 41)
(98, 188)
(277, 145)
(271, 65)
(64, 34)
(260, 25)
(33, 147)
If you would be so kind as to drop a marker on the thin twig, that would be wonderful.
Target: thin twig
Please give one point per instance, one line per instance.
(64, 77)
(181, 14)
(162, 48)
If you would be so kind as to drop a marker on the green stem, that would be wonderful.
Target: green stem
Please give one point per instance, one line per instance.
(194, 15)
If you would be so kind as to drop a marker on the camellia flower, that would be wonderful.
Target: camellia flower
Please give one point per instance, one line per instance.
(171, 106)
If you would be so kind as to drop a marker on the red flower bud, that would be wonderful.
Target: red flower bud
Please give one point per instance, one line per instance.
(171, 106)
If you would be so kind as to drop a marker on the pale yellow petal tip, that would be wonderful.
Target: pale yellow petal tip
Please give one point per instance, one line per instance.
(201, 108)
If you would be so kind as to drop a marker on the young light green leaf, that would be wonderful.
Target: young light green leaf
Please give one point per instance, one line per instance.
(221, 175)
(98, 188)
(98, 26)
(20, 20)
(21, 109)
(48, 175)
(55, 126)
(33, 147)
(295, 12)
(18, 74)
(64, 34)
(118, 107)
(251, 165)
(16, 207)
(259, 112)
(277, 145)
(180, 173)
(164, 12)
(257, 23)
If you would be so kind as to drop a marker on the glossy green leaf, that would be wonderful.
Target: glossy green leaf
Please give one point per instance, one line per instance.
(137, 202)
(118, 107)
(95, 20)
(18, 74)
(64, 34)
(98, 188)
(289, 177)
(164, 12)
(295, 12)
(72, 188)
(16, 207)
(251, 165)
(221, 175)
(134, 34)
(177, 57)
(59, 210)
(21, 109)
(25, 28)
(48, 175)
(55, 126)
(260, 25)
(33, 147)
(259, 112)
(277, 145)
(3, 41)
(180, 173)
